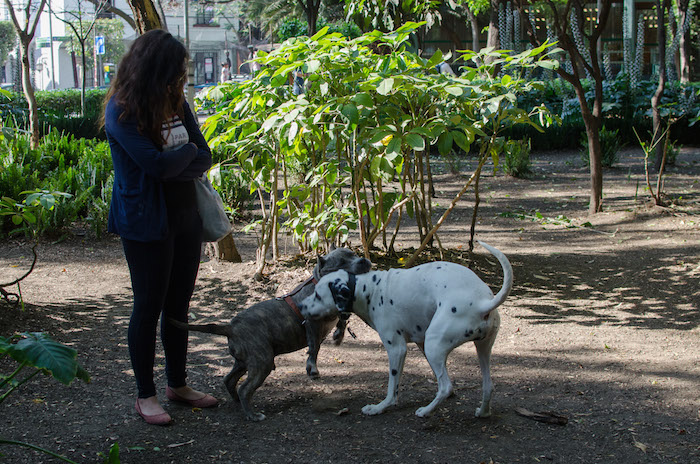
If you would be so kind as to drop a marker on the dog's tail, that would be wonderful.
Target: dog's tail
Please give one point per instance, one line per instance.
(218, 329)
(501, 296)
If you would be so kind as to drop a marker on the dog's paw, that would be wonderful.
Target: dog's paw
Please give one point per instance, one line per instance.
(256, 416)
(372, 409)
(312, 371)
(338, 336)
(423, 412)
(480, 412)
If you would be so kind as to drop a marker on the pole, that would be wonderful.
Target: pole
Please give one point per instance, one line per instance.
(53, 68)
(94, 54)
(190, 67)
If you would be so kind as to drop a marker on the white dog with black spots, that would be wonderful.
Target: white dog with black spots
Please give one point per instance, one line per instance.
(438, 306)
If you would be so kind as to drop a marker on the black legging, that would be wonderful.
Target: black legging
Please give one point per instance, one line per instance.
(163, 275)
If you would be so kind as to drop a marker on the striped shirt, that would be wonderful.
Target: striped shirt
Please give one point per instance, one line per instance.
(175, 134)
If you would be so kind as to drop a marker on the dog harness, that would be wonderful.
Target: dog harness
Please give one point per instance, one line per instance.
(352, 281)
(290, 301)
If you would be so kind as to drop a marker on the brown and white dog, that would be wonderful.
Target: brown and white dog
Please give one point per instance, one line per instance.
(438, 306)
(271, 327)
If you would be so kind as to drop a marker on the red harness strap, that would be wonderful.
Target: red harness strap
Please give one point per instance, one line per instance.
(290, 301)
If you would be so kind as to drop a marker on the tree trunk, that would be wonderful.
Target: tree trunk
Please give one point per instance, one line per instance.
(493, 39)
(224, 250)
(28, 88)
(26, 35)
(476, 46)
(656, 99)
(145, 15)
(310, 7)
(594, 155)
(684, 50)
(83, 81)
(591, 118)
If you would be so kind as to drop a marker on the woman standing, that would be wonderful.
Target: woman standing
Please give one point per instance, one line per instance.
(157, 151)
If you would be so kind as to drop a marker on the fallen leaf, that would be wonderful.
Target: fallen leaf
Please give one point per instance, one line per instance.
(641, 446)
(342, 412)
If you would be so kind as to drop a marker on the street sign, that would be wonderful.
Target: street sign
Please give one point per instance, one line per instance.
(99, 45)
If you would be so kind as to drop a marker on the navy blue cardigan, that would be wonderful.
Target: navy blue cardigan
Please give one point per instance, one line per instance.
(138, 210)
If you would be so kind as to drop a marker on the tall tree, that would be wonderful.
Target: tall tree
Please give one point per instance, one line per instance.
(81, 26)
(311, 9)
(567, 21)
(146, 15)
(25, 31)
(662, 7)
(493, 40)
(470, 10)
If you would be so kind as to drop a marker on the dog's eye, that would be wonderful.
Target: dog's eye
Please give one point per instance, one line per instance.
(317, 296)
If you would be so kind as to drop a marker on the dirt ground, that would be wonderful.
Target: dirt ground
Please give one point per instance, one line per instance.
(602, 327)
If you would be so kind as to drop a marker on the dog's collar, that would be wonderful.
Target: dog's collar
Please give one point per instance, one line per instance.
(352, 283)
(290, 301)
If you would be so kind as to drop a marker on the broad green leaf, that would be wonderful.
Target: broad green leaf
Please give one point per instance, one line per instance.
(394, 145)
(39, 350)
(385, 86)
(381, 168)
(351, 113)
(312, 66)
(313, 239)
(415, 141)
(461, 140)
(445, 143)
(454, 90)
(4, 345)
(319, 34)
(363, 99)
(293, 131)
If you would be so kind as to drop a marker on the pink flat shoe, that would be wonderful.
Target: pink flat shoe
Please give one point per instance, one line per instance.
(155, 419)
(207, 401)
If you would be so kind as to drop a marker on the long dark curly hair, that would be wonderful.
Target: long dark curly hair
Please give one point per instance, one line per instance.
(150, 82)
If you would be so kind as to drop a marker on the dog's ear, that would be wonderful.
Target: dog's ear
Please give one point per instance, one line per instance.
(320, 261)
(332, 246)
(342, 296)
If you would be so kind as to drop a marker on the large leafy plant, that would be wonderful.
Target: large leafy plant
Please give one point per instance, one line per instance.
(362, 131)
(35, 353)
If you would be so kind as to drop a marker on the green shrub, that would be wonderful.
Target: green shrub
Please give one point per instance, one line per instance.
(61, 163)
(59, 110)
(516, 159)
(610, 145)
(230, 183)
(624, 107)
(235, 191)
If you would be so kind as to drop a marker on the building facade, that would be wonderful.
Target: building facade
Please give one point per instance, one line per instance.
(212, 40)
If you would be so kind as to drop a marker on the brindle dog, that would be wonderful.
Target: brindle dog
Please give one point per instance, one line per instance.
(272, 327)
